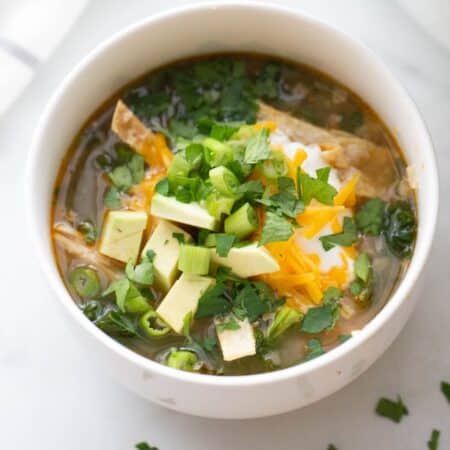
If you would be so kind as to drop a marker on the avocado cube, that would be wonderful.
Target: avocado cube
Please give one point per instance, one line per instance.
(238, 343)
(122, 234)
(182, 299)
(247, 261)
(188, 213)
(167, 252)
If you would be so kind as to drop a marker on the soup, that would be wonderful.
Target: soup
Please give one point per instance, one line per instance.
(232, 215)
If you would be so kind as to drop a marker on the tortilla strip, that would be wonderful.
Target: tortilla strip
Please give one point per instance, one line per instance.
(129, 128)
(70, 241)
(348, 153)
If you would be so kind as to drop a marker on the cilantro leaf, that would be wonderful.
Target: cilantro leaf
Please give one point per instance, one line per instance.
(116, 323)
(112, 199)
(229, 324)
(393, 410)
(224, 243)
(445, 389)
(320, 318)
(213, 302)
(369, 217)
(275, 229)
(399, 228)
(286, 184)
(332, 447)
(250, 190)
(314, 349)
(345, 238)
(332, 294)
(251, 303)
(284, 203)
(162, 187)
(257, 148)
(433, 443)
(145, 446)
(317, 188)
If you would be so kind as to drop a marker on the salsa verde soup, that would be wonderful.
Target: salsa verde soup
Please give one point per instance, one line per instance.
(233, 214)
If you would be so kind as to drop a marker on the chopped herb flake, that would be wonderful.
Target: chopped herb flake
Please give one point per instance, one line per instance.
(433, 443)
(275, 229)
(393, 410)
(345, 238)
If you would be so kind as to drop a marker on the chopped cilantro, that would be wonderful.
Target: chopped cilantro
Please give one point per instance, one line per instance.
(224, 242)
(445, 389)
(345, 238)
(250, 303)
(399, 228)
(162, 187)
(266, 83)
(213, 302)
(323, 317)
(257, 148)
(116, 323)
(314, 348)
(142, 273)
(275, 229)
(369, 217)
(320, 318)
(393, 410)
(286, 184)
(284, 203)
(145, 446)
(317, 188)
(250, 190)
(332, 447)
(433, 443)
(112, 199)
(229, 324)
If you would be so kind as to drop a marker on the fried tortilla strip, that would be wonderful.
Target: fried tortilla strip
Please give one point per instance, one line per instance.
(348, 153)
(152, 146)
(129, 128)
(69, 240)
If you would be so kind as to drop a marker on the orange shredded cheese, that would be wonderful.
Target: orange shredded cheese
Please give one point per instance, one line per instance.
(269, 124)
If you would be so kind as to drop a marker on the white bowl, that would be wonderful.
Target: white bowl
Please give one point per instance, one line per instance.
(221, 27)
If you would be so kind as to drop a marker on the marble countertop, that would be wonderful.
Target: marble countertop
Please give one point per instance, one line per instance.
(51, 399)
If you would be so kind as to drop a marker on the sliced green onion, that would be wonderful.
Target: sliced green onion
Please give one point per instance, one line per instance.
(274, 167)
(224, 180)
(217, 205)
(210, 240)
(178, 171)
(284, 319)
(153, 325)
(85, 281)
(182, 360)
(137, 304)
(242, 222)
(194, 259)
(217, 153)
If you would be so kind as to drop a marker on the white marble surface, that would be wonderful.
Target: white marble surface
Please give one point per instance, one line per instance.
(50, 398)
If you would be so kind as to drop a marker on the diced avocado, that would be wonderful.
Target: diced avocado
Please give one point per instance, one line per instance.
(122, 235)
(189, 213)
(182, 298)
(167, 249)
(238, 343)
(247, 261)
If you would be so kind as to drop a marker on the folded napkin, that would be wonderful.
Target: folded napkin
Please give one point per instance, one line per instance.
(29, 32)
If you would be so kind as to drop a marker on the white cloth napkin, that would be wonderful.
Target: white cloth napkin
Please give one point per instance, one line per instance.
(29, 32)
